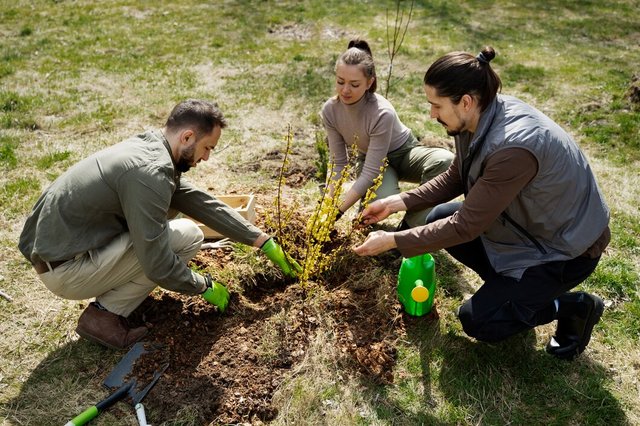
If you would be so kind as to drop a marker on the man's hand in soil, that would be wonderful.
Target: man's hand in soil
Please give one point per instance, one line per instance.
(216, 293)
(376, 243)
(274, 252)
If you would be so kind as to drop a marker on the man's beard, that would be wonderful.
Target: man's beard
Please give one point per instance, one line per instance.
(452, 132)
(185, 161)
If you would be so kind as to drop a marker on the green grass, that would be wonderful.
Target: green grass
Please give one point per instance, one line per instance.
(15, 111)
(18, 196)
(8, 147)
(47, 161)
(75, 78)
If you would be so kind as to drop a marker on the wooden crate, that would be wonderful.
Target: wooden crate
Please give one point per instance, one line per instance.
(243, 204)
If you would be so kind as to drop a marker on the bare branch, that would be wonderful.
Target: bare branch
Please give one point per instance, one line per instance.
(281, 178)
(394, 44)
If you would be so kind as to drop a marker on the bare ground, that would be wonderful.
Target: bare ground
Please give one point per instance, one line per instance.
(226, 367)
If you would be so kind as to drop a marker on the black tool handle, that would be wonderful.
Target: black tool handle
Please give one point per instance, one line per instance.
(113, 398)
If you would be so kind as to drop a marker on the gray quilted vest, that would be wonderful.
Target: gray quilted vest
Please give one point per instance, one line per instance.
(559, 214)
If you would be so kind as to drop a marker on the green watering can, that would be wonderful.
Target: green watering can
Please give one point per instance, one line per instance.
(417, 284)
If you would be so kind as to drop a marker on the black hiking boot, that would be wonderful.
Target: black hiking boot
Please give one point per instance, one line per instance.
(577, 314)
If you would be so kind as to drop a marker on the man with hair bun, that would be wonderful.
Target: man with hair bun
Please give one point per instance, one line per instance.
(533, 224)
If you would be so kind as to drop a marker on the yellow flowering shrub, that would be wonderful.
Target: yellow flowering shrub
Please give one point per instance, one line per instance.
(315, 258)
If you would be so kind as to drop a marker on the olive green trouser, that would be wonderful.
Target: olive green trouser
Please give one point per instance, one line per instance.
(410, 163)
(113, 275)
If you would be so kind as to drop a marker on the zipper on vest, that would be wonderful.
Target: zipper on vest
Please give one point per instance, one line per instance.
(525, 232)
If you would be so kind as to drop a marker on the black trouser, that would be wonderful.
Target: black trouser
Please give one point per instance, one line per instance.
(504, 306)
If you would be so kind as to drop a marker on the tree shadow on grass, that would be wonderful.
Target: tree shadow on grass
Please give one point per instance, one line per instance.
(453, 379)
(409, 400)
(513, 382)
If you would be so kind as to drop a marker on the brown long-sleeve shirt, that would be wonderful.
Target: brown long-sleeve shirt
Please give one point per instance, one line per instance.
(505, 174)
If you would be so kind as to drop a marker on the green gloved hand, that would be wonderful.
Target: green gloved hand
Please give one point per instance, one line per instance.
(216, 293)
(274, 252)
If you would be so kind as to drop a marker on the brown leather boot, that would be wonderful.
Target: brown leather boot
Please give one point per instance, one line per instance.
(108, 329)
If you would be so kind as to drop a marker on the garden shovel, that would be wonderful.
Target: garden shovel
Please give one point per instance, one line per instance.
(125, 385)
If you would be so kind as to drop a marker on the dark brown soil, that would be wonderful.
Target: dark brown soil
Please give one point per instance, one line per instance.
(216, 365)
(225, 368)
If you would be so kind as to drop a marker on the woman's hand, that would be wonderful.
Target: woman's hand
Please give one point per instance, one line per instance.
(381, 209)
(375, 212)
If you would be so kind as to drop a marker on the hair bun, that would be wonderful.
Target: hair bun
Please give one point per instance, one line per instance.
(360, 44)
(486, 55)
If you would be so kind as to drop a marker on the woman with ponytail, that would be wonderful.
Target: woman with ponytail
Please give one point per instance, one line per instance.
(358, 115)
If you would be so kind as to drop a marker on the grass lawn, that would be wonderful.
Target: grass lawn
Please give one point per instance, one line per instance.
(78, 76)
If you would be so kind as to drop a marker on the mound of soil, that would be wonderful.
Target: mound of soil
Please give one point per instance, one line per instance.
(225, 368)
(219, 366)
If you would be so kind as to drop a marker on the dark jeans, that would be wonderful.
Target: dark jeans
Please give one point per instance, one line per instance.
(504, 306)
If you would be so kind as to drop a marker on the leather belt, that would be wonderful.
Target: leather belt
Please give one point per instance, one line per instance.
(42, 267)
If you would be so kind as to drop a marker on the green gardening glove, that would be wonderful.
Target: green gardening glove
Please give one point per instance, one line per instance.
(274, 252)
(216, 293)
